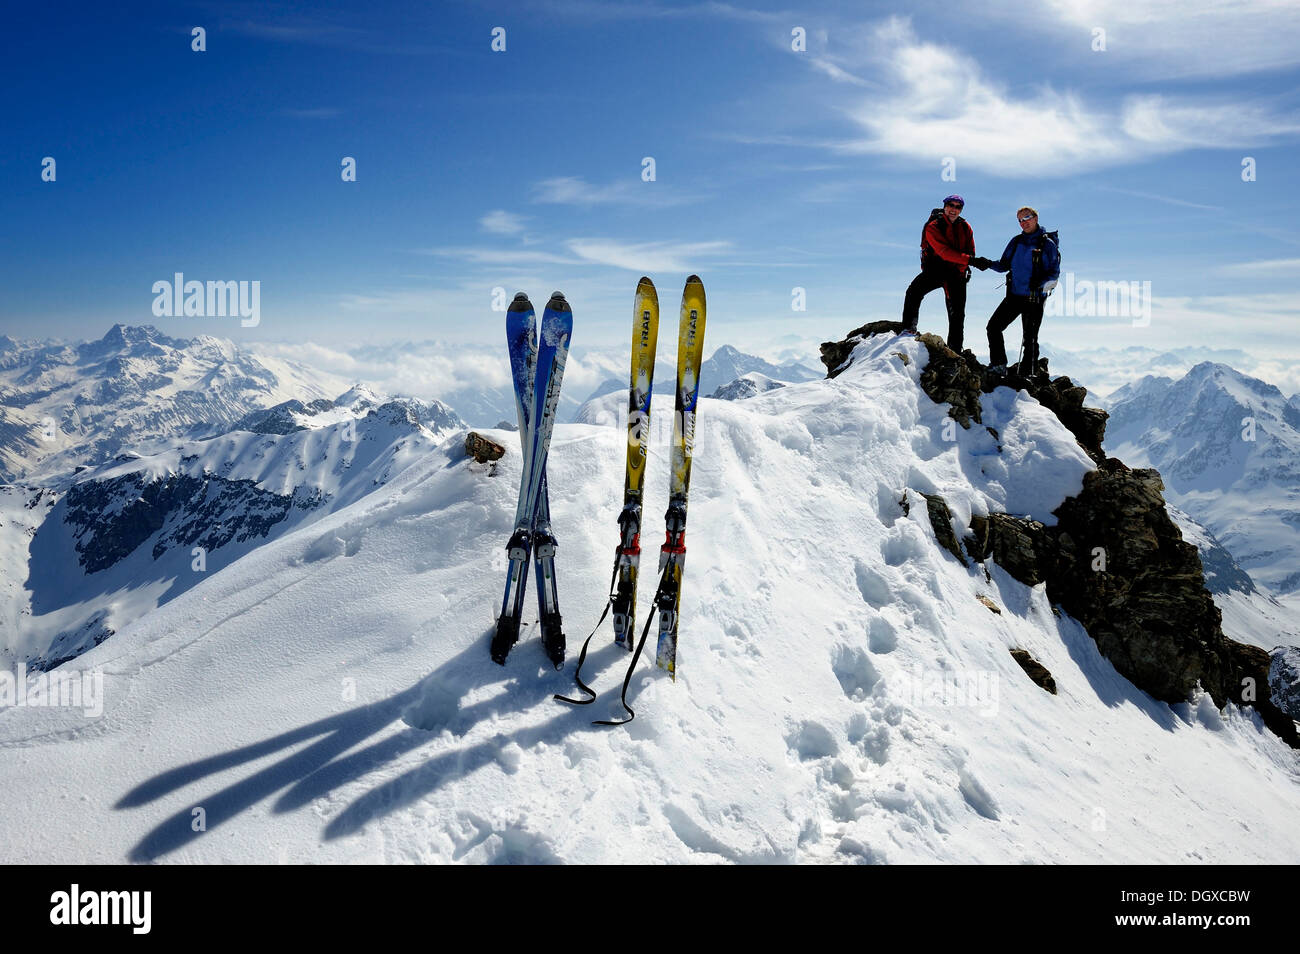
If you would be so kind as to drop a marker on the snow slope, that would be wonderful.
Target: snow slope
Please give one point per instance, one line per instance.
(842, 696)
(124, 537)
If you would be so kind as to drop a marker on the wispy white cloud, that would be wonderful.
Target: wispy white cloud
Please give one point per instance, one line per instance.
(575, 190)
(320, 112)
(328, 30)
(1168, 199)
(1174, 37)
(938, 102)
(837, 73)
(639, 257)
(477, 255)
(589, 10)
(501, 222)
(1279, 266)
(646, 257)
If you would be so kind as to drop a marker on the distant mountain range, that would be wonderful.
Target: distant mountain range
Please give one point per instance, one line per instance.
(65, 405)
(1228, 448)
(723, 367)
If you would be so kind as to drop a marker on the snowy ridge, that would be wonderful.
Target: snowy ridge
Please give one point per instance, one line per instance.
(67, 405)
(123, 538)
(1228, 447)
(843, 693)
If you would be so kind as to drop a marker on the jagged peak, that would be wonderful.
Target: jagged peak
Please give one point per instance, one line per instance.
(121, 334)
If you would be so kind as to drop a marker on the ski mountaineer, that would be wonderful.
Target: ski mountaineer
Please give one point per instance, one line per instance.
(1033, 258)
(947, 244)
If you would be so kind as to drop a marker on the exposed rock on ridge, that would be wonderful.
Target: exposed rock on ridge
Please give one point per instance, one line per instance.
(1115, 560)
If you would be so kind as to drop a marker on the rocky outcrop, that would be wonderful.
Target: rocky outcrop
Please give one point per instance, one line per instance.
(1035, 670)
(1118, 564)
(941, 520)
(1115, 560)
(958, 380)
(1284, 680)
(482, 449)
(110, 518)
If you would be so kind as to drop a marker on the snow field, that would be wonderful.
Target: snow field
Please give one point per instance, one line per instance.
(842, 694)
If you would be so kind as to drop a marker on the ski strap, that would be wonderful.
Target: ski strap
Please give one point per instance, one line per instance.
(582, 656)
(645, 631)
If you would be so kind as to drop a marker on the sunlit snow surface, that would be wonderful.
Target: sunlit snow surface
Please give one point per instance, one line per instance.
(329, 697)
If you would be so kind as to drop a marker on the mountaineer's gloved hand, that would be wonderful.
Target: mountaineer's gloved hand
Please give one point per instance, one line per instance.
(1048, 286)
(980, 262)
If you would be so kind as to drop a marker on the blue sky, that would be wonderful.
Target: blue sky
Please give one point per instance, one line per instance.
(774, 168)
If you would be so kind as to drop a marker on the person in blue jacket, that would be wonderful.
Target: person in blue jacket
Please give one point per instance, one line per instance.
(1034, 262)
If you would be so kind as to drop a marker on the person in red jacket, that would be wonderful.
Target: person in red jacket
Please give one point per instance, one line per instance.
(947, 245)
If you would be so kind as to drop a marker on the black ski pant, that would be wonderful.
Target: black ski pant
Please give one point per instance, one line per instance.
(1031, 315)
(953, 283)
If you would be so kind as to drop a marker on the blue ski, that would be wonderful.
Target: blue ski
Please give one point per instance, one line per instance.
(537, 369)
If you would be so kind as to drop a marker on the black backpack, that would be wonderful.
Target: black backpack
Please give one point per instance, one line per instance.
(926, 252)
(1036, 271)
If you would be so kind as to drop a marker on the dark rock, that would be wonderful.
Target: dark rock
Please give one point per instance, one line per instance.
(111, 518)
(953, 379)
(1284, 679)
(941, 521)
(1124, 571)
(993, 607)
(1034, 670)
(977, 539)
(1021, 546)
(481, 448)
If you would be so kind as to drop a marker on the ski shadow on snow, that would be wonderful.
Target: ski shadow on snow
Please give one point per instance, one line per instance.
(429, 709)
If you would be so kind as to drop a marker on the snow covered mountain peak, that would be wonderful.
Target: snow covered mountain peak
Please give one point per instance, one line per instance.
(1228, 446)
(64, 406)
(358, 394)
(850, 689)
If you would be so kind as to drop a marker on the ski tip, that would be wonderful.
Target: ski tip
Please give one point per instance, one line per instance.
(521, 303)
(644, 282)
(694, 280)
(558, 303)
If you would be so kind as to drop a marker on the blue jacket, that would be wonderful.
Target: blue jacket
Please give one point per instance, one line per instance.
(1018, 257)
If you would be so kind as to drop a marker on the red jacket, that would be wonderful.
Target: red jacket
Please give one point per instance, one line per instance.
(953, 243)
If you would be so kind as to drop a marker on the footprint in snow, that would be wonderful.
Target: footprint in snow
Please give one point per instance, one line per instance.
(882, 637)
(853, 668)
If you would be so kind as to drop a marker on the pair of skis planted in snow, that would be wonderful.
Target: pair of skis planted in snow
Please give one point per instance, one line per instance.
(672, 555)
(537, 369)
